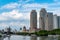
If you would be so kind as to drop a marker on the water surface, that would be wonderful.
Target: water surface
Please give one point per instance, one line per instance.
(19, 37)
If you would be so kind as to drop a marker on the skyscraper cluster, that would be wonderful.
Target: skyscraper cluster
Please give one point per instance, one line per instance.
(47, 21)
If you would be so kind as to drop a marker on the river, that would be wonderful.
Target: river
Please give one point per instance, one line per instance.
(19, 37)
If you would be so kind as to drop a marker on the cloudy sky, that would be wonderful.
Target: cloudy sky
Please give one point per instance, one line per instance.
(16, 13)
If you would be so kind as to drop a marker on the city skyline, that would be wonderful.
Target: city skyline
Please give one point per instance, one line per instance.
(17, 13)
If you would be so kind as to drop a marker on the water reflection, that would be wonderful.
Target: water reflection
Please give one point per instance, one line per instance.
(52, 38)
(1, 38)
(33, 38)
(58, 38)
(49, 38)
(17, 37)
(9, 37)
(43, 38)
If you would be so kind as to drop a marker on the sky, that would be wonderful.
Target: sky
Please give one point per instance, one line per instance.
(16, 13)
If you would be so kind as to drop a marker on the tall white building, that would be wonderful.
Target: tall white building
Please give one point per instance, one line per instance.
(58, 19)
(42, 19)
(33, 21)
(45, 20)
(50, 21)
(55, 22)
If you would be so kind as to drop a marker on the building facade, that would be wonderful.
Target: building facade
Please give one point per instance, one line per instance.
(45, 20)
(42, 19)
(58, 19)
(55, 22)
(50, 21)
(33, 21)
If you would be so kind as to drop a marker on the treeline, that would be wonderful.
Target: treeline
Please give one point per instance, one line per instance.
(42, 32)
(46, 33)
(0, 35)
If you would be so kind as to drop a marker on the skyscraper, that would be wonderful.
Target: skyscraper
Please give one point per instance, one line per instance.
(50, 21)
(45, 20)
(55, 22)
(33, 21)
(42, 19)
(58, 19)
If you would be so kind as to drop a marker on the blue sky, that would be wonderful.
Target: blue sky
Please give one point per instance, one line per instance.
(16, 13)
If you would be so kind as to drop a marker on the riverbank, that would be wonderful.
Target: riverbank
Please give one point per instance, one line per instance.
(41, 33)
(38, 33)
(0, 35)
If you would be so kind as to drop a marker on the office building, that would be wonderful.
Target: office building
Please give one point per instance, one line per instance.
(50, 21)
(33, 21)
(42, 19)
(58, 19)
(55, 22)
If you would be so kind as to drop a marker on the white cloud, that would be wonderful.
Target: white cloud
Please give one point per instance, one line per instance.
(14, 14)
(13, 25)
(10, 6)
(25, 1)
(15, 5)
(27, 16)
(34, 5)
(57, 12)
